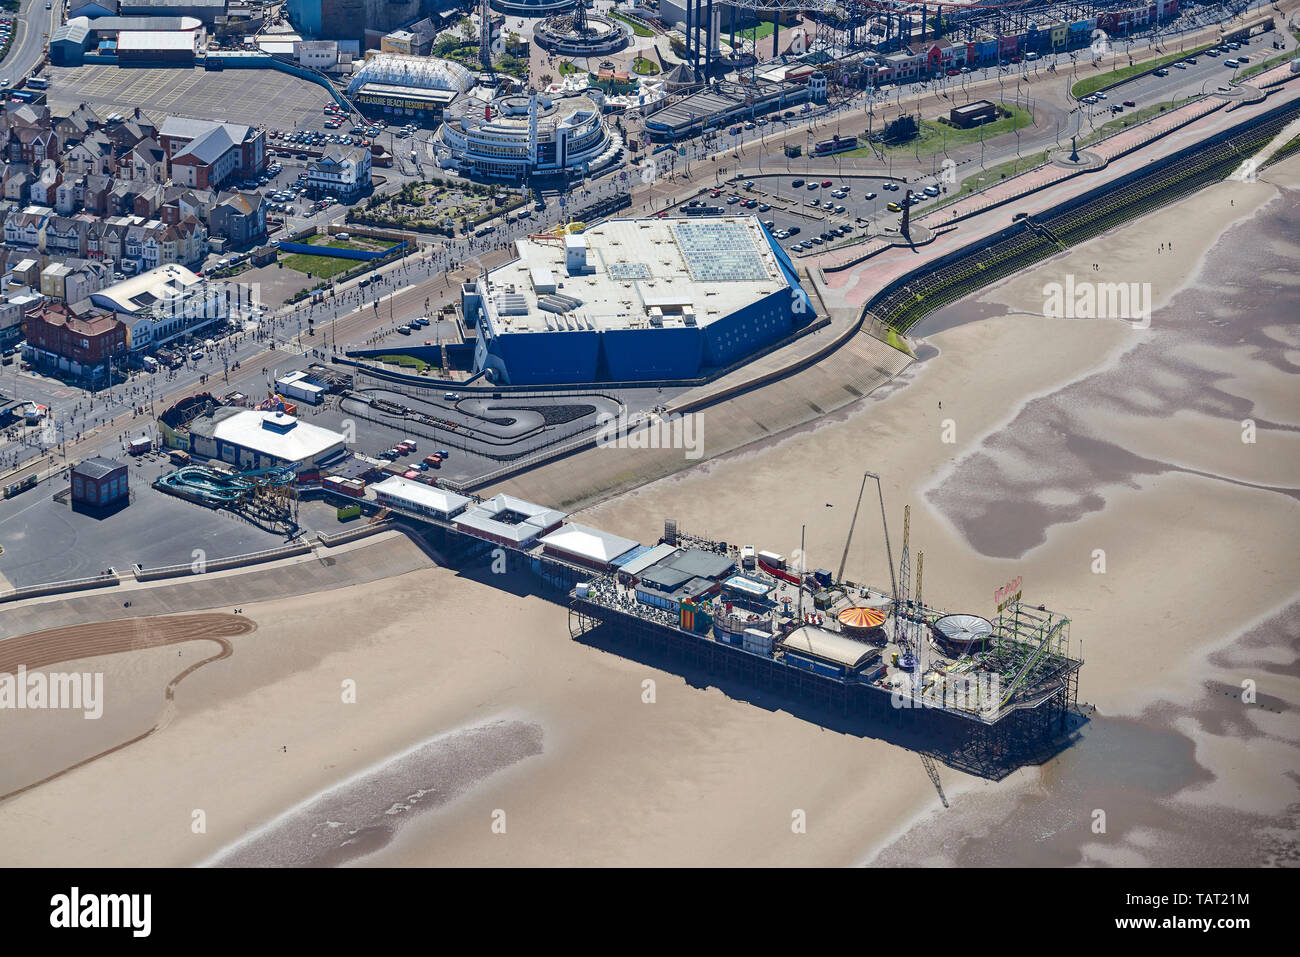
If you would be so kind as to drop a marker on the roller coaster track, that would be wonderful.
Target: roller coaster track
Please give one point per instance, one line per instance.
(1032, 660)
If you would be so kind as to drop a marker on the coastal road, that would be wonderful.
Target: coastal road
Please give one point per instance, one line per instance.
(33, 26)
(351, 316)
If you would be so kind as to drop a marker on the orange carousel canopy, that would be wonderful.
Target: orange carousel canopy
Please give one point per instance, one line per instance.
(861, 617)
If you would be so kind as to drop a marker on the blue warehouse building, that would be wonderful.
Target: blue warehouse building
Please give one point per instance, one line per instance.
(634, 300)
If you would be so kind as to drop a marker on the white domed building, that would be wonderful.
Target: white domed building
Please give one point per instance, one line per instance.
(408, 85)
(515, 136)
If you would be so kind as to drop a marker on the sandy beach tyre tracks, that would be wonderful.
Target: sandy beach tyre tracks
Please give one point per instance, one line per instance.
(41, 649)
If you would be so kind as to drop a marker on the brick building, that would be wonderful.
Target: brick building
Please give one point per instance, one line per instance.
(82, 346)
(99, 481)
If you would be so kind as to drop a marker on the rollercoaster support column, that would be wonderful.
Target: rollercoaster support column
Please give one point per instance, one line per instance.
(689, 41)
(695, 60)
(733, 31)
(708, 38)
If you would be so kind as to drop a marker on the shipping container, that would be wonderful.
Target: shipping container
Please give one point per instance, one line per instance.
(349, 511)
(772, 558)
(344, 486)
(180, 457)
(747, 556)
(757, 641)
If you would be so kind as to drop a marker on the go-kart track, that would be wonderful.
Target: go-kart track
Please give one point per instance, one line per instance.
(491, 432)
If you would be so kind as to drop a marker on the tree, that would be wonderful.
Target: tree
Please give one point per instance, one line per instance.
(547, 79)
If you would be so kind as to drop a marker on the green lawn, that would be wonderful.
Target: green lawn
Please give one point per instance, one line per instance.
(936, 136)
(322, 267)
(993, 174)
(409, 362)
(763, 29)
(634, 26)
(318, 267)
(1129, 119)
(1094, 83)
(566, 68)
(645, 67)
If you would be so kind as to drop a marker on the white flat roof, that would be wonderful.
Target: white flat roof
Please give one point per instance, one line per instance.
(138, 293)
(589, 543)
(426, 496)
(299, 380)
(829, 645)
(487, 517)
(298, 442)
(709, 267)
(149, 40)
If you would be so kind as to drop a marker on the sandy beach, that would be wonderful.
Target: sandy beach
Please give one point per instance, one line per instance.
(482, 734)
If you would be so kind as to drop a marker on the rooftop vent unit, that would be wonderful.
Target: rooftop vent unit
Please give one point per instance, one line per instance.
(511, 304)
(558, 303)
